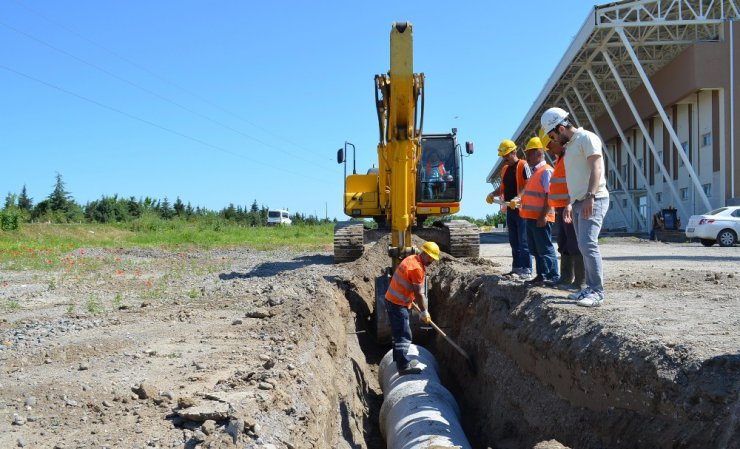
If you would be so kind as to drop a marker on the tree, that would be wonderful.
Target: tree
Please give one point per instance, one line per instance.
(134, 207)
(59, 198)
(10, 201)
(24, 202)
(230, 212)
(179, 208)
(165, 211)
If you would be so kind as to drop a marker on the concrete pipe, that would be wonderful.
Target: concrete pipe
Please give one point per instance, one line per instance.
(418, 412)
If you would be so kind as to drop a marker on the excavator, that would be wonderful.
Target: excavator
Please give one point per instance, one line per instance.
(418, 176)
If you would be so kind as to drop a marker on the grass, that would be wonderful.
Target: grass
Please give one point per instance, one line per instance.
(93, 305)
(51, 246)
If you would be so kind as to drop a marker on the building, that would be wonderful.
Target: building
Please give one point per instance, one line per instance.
(656, 81)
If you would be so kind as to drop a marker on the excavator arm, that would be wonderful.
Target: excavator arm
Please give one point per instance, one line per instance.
(400, 119)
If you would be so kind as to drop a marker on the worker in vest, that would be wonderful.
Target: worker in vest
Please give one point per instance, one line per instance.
(510, 189)
(572, 270)
(539, 216)
(435, 176)
(407, 288)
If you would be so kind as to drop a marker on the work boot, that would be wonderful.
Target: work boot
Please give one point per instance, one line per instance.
(579, 271)
(412, 368)
(537, 280)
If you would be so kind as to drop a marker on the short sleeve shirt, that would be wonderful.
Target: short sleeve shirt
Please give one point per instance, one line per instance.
(544, 177)
(415, 271)
(577, 169)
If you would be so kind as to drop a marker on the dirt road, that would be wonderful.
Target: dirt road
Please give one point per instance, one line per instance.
(249, 349)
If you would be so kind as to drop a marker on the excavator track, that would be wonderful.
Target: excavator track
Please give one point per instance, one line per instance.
(348, 241)
(457, 238)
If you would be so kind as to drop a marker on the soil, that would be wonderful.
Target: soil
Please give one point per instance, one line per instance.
(250, 349)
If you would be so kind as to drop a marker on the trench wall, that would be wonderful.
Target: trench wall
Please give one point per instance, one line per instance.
(545, 371)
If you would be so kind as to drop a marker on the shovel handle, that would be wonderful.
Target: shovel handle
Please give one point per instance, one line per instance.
(462, 352)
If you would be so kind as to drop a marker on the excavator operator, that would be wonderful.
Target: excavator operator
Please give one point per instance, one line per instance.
(407, 287)
(436, 176)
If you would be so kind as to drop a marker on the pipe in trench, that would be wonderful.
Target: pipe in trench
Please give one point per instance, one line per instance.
(417, 411)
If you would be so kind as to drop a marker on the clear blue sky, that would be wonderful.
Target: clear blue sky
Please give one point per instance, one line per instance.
(224, 102)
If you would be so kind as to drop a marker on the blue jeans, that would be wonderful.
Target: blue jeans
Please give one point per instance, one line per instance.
(401, 330)
(540, 244)
(587, 233)
(520, 257)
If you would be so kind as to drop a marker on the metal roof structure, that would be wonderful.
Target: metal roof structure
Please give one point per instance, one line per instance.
(618, 48)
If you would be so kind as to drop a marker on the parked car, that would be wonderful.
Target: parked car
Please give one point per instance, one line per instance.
(278, 217)
(720, 225)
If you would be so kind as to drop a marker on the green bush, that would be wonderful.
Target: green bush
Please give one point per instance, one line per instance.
(10, 219)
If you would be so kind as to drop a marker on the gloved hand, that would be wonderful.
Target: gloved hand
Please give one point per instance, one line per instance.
(514, 203)
(425, 317)
(489, 198)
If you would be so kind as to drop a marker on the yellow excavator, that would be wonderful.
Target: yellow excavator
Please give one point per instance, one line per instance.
(418, 176)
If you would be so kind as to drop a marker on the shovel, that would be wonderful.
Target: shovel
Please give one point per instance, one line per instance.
(468, 358)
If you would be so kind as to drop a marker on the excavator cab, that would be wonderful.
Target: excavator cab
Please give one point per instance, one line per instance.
(439, 171)
(439, 175)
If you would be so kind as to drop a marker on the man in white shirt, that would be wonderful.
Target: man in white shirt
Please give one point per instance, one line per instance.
(589, 198)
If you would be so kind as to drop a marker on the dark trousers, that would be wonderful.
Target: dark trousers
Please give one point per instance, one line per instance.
(567, 241)
(520, 257)
(401, 330)
(540, 244)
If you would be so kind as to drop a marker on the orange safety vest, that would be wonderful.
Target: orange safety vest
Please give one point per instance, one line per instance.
(401, 291)
(440, 169)
(558, 187)
(533, 198)
(520, 180)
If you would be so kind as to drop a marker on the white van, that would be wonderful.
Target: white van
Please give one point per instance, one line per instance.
(278, 217)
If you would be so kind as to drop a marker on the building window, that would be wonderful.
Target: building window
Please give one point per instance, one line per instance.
(706, 139)
(659, 197)
(685, 193)
(707, 189)
(685, 148)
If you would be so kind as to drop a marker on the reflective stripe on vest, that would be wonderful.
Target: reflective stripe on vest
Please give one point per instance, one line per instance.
(533, 198)
(401, 291)
(558, 187)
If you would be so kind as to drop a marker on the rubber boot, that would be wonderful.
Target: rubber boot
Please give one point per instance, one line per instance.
(579, 272)
(566, 269)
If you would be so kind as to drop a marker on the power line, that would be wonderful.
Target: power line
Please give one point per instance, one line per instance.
(151, 92)
(150, 123)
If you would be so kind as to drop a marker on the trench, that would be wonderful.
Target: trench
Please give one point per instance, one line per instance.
(546, 372)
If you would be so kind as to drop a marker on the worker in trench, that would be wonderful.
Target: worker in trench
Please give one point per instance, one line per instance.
(407, 288)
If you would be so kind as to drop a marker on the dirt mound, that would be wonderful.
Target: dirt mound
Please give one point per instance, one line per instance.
(214, 349)
(548, 369)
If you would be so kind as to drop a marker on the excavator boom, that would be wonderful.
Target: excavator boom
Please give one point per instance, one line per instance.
(399, 148)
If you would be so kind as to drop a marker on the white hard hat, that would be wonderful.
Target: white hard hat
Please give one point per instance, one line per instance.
(552, 118)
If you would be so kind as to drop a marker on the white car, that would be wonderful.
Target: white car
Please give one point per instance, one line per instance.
(720, 225)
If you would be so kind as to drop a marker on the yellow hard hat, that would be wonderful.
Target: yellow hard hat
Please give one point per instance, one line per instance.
(534, 144)
(544, 138)
(431, 249)
(506, 147)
